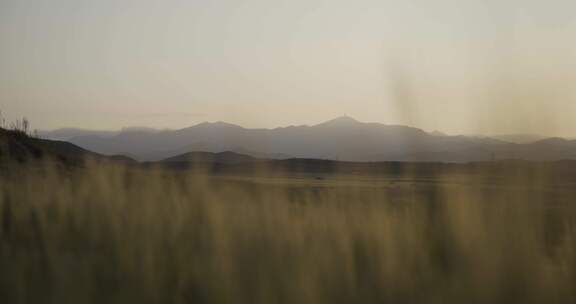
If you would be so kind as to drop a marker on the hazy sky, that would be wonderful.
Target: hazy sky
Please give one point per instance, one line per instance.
(493, 66)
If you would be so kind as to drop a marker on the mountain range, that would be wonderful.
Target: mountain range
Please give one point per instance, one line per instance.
(343, 138)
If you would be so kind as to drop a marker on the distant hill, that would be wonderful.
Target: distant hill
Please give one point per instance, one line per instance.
(18, 147)
(560, 173)
(222, 157)
(343, 138)
(67, 133)
(519, 138)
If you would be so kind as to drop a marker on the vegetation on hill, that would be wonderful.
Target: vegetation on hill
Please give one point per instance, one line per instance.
(19, 144)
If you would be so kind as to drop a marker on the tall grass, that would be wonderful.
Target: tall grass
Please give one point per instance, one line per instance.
(19, 126)
(111, 234)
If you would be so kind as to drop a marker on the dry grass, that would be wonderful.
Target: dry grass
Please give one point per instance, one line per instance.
(108, 234)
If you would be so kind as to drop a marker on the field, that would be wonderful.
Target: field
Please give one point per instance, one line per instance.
(116, 234)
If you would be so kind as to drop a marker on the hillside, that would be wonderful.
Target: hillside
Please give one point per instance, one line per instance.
(18, 147)
(222, 157)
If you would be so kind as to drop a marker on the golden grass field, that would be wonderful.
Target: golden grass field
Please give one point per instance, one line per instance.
(112, 234)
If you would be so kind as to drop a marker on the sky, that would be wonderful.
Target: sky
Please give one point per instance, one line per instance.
(457, 66)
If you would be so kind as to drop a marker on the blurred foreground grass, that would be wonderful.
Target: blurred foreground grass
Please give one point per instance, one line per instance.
(110, 234)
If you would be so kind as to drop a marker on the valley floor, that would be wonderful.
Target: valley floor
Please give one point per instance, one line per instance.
(110, 233)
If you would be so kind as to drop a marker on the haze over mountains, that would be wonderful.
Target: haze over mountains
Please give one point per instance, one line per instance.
(343, 138)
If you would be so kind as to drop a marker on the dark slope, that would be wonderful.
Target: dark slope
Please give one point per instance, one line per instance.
(18, 147)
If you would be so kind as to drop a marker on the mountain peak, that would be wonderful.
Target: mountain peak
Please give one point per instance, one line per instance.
(339, 121)
(219, 124)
